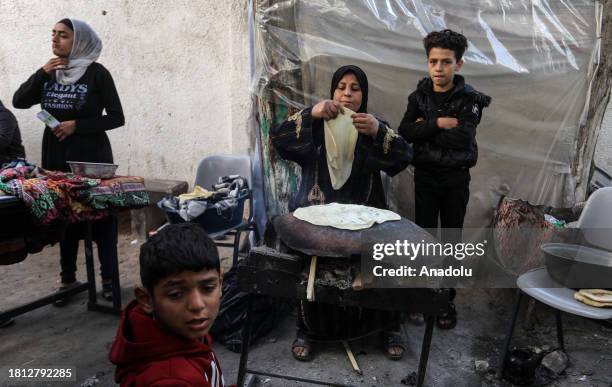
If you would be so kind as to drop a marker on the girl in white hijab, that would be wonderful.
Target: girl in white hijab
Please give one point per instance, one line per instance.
(86, 48)
(80, 93)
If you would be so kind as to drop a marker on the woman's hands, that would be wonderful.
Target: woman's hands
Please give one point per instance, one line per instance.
(64, 129)
(55, 64)
(327, 110)
(365, 123)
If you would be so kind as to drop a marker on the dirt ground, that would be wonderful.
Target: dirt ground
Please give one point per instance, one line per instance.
(72, 336)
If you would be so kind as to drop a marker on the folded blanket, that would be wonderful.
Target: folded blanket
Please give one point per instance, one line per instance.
(119, 192)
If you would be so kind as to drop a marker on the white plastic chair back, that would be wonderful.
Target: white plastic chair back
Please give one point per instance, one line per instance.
(596, 219)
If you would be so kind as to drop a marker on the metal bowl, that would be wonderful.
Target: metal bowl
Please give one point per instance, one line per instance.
(93, 170)
(578, 267)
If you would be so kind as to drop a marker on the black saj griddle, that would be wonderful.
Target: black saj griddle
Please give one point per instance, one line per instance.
(279, 268)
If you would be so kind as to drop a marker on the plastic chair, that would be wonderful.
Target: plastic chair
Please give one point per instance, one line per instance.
(212, 167)
(595, 221)
(209, 170)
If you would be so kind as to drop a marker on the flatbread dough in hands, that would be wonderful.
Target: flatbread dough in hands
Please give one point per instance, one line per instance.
(344, 216)
(340, 141)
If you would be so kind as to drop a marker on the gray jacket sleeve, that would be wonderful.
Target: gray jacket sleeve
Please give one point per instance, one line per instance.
(8, 128)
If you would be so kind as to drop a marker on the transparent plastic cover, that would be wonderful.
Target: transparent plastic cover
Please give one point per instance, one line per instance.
(534, 58)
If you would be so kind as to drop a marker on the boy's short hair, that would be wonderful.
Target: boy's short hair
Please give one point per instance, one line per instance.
(176, 248)
(447, 39)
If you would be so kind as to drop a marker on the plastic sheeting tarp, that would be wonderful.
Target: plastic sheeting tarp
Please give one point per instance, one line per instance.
(535, 58)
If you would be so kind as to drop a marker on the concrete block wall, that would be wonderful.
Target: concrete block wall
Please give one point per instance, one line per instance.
(181, 69)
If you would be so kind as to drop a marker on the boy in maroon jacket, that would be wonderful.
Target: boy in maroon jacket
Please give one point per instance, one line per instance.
(163, 337)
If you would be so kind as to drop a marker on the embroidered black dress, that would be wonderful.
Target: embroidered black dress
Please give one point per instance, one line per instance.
(301, 139)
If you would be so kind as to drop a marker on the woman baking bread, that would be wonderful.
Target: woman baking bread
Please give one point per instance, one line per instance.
(376, 148)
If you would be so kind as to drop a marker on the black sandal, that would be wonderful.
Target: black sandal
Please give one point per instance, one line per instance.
(447, 320)
(393, 340)
(302, 342)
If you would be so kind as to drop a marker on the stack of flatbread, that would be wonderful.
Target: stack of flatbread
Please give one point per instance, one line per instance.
(599, 298)
(344, 216)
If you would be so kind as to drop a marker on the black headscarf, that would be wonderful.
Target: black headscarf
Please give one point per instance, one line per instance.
(67, 22)
(361, 78)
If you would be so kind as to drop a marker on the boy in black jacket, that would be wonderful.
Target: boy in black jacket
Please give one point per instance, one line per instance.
(440, 121)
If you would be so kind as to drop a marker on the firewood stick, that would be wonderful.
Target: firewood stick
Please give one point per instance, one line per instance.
(352, 358)
(310, 296)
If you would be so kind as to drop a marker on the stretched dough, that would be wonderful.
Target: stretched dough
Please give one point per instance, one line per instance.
(344, 216)
(340, 140)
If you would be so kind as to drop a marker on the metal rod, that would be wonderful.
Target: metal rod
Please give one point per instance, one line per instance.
(116, 285)
(289, 377)
(250, 381)
(236, 247)
(103, 308)
(517, 305)
(246, 336)
(19, 310)
(89, 263)
(560, 330)
(425, 349)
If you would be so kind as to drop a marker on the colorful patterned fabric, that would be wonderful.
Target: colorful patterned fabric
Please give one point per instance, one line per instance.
(123, 191)
(52, 195)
